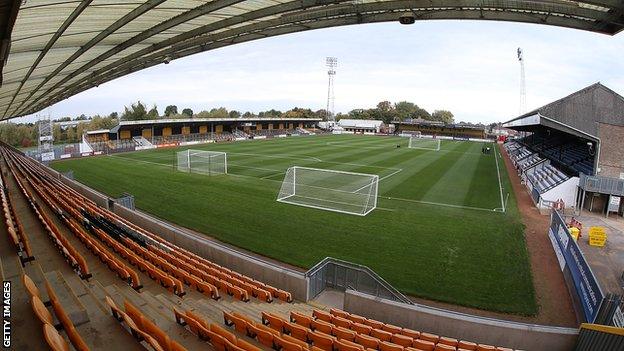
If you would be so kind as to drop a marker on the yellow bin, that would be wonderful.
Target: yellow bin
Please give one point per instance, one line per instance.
(574, 231)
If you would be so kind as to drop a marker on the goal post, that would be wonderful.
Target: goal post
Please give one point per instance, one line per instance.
(330, 190)
(203, 162)
(424, 143)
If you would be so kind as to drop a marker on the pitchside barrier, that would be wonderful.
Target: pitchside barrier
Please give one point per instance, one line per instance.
(587, 297)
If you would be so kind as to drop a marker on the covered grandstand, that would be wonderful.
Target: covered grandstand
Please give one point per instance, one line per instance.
(438, 128)
(145, 134)
(573, 138)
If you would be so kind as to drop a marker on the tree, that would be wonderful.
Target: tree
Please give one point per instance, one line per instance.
(234, 114)
(405, 109)
(443, 116)
(82, 117)
(114, 115)
(384, 106)
(135, 112)
(187, 112)
(153, 113)
(171, 110)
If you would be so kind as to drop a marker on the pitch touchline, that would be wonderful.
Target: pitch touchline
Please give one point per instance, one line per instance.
(500, 185)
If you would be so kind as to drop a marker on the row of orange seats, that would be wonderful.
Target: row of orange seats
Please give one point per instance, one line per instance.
(375, 332)
(53, 338)
(106, 256)
(71, 255)
(235, 284)
(142, 328)
(124, 272)
(224, 282)
(260, 290)
(219, 338)
(287, 338)
(14, 225)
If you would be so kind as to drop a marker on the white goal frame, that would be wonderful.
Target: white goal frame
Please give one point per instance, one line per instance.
(367, 188)
(414, 145)
(215, 162)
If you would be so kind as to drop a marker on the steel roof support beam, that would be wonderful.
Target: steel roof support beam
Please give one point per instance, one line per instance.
(77, 11)
(263, 29)
(129, 17)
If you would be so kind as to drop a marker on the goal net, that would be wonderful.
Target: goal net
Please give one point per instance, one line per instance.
(326, 189)
(204, 162)
(424, 143)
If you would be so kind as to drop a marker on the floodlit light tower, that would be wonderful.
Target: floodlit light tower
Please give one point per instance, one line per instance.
(46, 138)
(522, 82)
(331, 63)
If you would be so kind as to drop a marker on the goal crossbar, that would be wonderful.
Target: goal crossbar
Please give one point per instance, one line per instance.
(330, 190)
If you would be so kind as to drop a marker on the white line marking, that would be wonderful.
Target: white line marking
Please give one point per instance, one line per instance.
(500, 184)
(437, 204)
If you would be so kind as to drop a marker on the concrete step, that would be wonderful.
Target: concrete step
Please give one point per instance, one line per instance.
(34, 272)
(74, 309)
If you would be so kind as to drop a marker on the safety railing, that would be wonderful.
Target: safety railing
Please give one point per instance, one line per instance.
(604, 185)
(342, 275)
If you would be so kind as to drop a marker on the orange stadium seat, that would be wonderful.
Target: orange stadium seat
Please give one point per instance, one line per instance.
(424, 345)
(392, 328)
(402, 340)
(239, 324)
(368, 342)
(296, 331)
(322, 315)
(75, 338)
(381, 334)
(264, 337)
(356, 319)
(341, 322)
(41, 311)
(448, 341)
(54, 340)
(467, 345)
(482, 347)
(273, 321)
(343, 333)
(301, 319)
(322, 340)
(344, 345)
(374, 324)
(388, 346)
(321, 326)
(361, 328)
(429, 337)
(444, 347)
(246, 346)
(411, 333)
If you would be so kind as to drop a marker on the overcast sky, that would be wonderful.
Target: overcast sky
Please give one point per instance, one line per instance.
(467, 67)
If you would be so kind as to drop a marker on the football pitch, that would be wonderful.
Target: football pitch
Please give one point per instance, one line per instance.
(439, 230)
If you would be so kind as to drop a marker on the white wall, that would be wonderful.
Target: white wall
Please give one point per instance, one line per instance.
(565, 191)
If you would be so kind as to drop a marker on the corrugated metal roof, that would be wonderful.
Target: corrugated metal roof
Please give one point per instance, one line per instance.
(60, 48)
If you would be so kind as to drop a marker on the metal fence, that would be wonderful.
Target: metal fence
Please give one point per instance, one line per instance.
(342, 275)
(126, 200)
(604, 185)
(611, 311)
(599, 338)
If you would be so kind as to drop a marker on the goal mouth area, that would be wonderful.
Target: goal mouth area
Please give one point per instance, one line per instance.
(330, 190)
(202, 162)
(421, 143)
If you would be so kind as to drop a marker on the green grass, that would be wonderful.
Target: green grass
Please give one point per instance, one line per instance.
(434, 234)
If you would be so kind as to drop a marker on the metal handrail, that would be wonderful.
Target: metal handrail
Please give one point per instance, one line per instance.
(360, 268)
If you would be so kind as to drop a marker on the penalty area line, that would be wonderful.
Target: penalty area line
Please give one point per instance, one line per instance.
(438, 204)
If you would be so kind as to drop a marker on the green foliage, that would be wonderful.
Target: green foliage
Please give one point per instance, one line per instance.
(171, 110)
(443, 116)
(187, 112)
(153, 113)
(475, 258)
(135, 112)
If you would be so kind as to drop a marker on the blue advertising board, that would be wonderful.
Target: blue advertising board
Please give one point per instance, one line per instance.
(589, 294)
